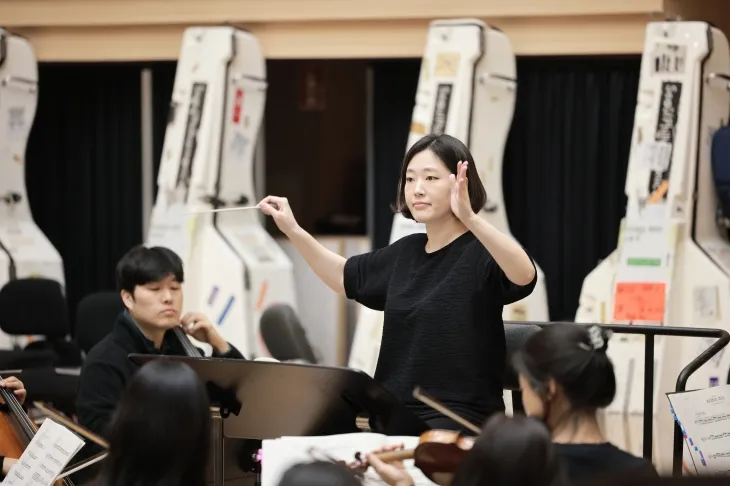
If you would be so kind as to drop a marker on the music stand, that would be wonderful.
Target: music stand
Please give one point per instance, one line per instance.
(266, 400)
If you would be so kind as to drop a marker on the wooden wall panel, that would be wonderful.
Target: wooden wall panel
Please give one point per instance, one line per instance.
(134, 30)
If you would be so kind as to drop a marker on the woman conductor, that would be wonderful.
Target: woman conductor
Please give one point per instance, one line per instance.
(442, 292)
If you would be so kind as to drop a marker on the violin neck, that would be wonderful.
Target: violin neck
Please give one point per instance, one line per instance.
(395, 455)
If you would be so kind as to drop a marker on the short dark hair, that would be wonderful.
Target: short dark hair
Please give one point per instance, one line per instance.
(574, 355)
(142, 265)
(503, 449)
(147, 444)
(450, 151)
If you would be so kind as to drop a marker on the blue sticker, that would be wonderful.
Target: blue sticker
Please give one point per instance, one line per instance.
(213, 295)
(227, 308)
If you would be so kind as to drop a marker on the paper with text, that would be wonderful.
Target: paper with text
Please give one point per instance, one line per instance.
(46, 456)
(704, 416)
(278, 455)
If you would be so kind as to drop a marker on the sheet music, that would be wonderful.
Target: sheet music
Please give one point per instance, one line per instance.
(704, 416)
(46, 456)
(278, 455)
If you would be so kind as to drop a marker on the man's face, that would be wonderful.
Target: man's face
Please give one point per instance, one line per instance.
(156, 305)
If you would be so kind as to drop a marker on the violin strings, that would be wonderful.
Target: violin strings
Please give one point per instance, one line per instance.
(17, 410)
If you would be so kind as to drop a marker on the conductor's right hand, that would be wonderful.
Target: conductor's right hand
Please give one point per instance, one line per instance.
(278, 208)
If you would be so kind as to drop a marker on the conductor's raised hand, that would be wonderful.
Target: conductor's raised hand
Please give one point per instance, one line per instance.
(460, 202)
(278, 208)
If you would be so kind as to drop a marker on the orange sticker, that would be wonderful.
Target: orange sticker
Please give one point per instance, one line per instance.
(639, 301)
(262, 296)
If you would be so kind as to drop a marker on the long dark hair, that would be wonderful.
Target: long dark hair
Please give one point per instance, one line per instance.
(574, 355)
(511, 451)
(160, 432)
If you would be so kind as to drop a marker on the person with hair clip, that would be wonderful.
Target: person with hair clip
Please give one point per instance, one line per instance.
(161, 432)
(566, 377)
(442, 292)
(510, 451)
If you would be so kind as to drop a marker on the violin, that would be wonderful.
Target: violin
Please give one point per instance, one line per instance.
(17, 430)
(439, 452)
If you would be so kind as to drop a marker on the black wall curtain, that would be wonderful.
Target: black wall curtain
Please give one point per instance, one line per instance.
(83, 169)
(564, 167)
(394, 92)
(163, 80)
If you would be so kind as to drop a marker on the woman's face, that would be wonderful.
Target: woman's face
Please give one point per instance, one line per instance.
(428, 188)
(531, 400)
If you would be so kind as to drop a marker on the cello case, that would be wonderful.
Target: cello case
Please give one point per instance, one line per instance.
(721, 174)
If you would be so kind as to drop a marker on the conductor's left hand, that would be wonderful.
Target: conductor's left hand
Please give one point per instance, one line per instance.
(14, 384)
(460, 202)
(199, 326)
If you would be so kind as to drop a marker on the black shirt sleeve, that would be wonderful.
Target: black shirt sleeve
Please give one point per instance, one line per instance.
(366, 277)
(502, 287)
(232, 353)
(100, 387)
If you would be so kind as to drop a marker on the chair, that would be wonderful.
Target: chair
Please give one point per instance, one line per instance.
(32, 307)
(47, 367)
(95, 317)
(515, 336)
(284, 336)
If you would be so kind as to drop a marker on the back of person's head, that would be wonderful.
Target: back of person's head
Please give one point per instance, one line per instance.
(566, 361)
(511, 451)
(319, 473)
(160, 433)
(142, 265)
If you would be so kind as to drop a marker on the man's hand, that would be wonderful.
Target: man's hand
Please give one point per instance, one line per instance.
(14, 384)
(199, 326)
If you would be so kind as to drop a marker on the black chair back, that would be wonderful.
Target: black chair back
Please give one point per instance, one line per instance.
(95, 317)
(34, 306)
(515, 336)
(284, 336)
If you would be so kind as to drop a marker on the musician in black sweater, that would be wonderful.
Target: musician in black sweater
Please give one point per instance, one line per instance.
(150, 284)
(443, 292)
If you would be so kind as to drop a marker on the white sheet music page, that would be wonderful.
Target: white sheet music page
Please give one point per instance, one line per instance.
(704, 416)
(46, 456)
(278, 455)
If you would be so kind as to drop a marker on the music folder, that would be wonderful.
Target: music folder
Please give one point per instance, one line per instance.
(266, 400)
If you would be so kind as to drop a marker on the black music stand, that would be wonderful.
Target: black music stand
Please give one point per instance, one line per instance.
(267, 400)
